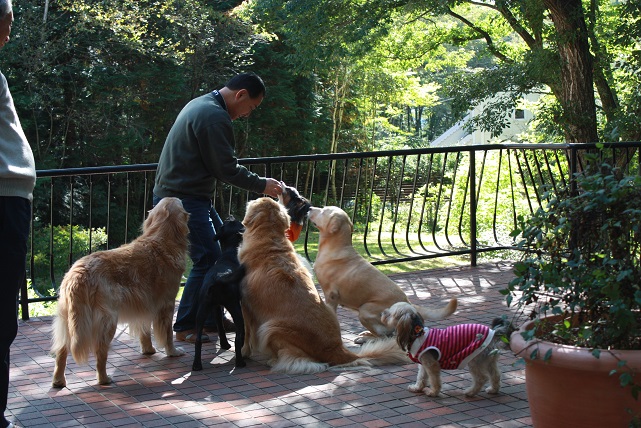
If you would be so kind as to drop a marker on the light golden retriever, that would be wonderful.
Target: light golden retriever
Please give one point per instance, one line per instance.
(347, 279)
(285, 318)
(135, 283)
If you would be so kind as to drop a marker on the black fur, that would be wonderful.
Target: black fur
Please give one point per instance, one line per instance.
(296, 205)
(221, 288)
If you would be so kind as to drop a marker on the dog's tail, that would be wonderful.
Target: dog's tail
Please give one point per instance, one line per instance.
(377, 352)
(288, 355)
(59, 335)
(438, 314)
(292, 364)
(383, 351)
(72, 326)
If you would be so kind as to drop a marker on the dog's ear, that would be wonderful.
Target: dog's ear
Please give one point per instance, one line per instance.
(252, 212)
(266, 211)
(410, 326)
(404, 333)
(169, 215)
(336, 222)
(417, 324)
(221, 231)
(160, 213)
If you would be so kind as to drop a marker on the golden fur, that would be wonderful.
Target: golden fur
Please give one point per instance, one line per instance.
(347, 279)
(136, 284)
(285, 318)
(403, 317)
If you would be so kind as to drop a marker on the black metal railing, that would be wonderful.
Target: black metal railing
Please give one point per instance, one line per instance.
(406, 205)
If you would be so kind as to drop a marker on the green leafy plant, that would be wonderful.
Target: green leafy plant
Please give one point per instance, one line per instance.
(55, 248)
(582, 261)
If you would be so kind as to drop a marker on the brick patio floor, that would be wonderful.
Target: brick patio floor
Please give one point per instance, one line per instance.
(156, 391)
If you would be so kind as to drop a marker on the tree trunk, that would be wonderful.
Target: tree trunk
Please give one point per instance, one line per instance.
(338, 107)
(577, 95)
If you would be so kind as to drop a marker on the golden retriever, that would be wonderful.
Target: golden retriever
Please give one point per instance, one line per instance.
(285, 318)
(347, 279)
(135, 283)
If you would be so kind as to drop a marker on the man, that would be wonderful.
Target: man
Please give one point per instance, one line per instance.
(17, 180)
(198, 151)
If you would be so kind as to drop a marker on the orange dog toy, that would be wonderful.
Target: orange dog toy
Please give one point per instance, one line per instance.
(294, 231)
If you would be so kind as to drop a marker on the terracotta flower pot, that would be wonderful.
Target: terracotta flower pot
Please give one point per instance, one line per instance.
(573, 388)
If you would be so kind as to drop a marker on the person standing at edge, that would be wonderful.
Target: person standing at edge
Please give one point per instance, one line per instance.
(17, 181)
(199, 150)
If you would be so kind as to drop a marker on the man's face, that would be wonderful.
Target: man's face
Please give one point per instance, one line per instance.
(5, 28)
(243, 104)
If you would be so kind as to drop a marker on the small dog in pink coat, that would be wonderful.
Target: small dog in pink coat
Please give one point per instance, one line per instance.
(472, 345)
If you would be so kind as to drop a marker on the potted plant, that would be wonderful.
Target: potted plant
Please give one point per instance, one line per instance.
(579, 286)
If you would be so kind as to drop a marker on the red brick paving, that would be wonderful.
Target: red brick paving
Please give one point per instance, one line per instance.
(155, 391)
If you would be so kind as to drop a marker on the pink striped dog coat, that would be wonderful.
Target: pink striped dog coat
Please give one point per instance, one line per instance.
(455, 345)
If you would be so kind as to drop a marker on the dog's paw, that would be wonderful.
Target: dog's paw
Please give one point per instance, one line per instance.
(148, 351)
(175, 352)
(492, 390)
(104, 380)
(59, 383)
(432, 393)
(415, 388)
(364, 337)
(471, 392)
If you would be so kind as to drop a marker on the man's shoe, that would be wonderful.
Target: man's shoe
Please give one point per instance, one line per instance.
(190, 336)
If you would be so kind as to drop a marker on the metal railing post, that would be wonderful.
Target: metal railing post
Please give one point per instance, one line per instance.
(473, 249)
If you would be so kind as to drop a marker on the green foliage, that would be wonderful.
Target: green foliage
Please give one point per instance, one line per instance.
(40, 309)
(581, 261)
(473, 51)
(628, 62)
(55, 249)
(289, 120)
(100, 83)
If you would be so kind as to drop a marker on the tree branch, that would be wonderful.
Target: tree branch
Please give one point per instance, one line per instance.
(484, 34)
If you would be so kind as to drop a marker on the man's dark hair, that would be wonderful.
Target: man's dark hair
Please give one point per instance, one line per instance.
(249, 81)
(5, 8)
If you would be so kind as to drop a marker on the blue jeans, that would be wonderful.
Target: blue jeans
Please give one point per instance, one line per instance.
(15, 221)
(204, 251)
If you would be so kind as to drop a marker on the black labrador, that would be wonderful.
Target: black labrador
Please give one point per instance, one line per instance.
(221, 289)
